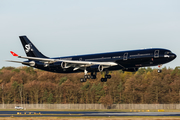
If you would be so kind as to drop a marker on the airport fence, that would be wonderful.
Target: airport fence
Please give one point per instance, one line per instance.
(91, 106)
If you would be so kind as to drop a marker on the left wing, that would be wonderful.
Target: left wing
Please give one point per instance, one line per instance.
(75, 63)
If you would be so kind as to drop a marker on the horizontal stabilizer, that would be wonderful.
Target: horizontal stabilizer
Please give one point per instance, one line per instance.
(18, 62)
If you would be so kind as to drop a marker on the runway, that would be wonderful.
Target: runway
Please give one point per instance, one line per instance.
(81, 114)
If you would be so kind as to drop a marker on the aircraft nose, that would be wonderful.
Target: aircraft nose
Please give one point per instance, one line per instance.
(173, 56)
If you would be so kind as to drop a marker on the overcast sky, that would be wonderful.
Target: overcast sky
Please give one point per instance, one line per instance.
(74, 27)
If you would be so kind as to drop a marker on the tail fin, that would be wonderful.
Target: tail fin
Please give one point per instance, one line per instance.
(30, 49)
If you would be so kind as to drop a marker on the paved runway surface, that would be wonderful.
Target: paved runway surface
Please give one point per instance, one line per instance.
(81, 114)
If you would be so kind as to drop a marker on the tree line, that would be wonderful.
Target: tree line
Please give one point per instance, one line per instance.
(32, 86)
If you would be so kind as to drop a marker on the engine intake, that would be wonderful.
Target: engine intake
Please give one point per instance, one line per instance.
(32, 63)
(64, 65)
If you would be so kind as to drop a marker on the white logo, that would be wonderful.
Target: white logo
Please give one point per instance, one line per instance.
(28, 48)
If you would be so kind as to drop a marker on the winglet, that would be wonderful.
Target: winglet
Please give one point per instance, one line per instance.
(14, 54)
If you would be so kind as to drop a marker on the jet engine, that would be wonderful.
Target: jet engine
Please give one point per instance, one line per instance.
(63, 64)
(32, 63)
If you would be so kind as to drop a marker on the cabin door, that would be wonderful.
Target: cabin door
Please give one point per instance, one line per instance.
(125, 57)
(156, 54)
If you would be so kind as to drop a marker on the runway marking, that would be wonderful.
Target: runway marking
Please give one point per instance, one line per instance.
(81, 114)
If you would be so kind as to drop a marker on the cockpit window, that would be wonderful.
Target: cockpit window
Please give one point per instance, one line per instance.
(167, 52)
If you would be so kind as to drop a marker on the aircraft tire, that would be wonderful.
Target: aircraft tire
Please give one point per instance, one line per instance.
(87, 76)
(82, 79)
(159, 70)
(93, 76)
(108, 76)
(103, 79)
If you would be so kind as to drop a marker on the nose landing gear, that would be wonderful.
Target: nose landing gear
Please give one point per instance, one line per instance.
(159, 69)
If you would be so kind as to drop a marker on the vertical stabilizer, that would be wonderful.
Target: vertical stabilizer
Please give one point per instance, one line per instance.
(30, 49)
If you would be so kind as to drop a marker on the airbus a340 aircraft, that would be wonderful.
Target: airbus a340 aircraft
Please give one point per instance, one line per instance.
(93, 63)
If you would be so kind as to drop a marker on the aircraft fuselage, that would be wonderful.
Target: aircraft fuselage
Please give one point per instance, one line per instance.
(126, 60)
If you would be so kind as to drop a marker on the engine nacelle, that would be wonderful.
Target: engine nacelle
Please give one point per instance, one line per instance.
(64, 65)
(131, 69)
(35, 63)
(99, 68)
(32, 63)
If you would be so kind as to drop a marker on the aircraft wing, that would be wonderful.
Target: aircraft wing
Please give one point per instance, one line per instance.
(76, 63)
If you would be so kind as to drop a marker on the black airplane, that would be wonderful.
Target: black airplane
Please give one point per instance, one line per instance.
(93, 63)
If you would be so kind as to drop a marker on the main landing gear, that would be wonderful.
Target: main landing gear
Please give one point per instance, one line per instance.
(107, 76)
(86, 76)
(93, 76)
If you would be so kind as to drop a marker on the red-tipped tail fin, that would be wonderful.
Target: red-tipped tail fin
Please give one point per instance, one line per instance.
(14, 54)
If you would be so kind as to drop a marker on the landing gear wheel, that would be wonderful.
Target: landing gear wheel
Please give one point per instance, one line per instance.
(159, 70)
(108, 76)
(87, 76)
(83, 79)
(103, 79)
(93, 76)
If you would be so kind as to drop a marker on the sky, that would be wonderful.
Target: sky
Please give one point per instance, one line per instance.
(75, 27)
